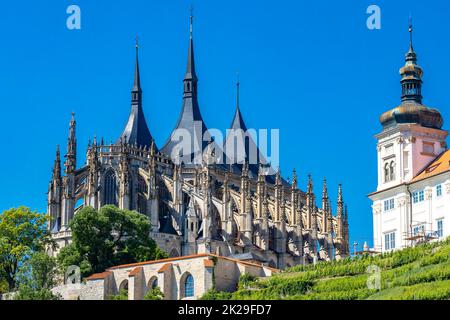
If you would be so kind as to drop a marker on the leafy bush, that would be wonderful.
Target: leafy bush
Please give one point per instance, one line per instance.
(154, 294)
(122, 295)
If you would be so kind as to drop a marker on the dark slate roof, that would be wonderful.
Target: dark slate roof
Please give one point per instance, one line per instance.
(136, 130)
(249, 145)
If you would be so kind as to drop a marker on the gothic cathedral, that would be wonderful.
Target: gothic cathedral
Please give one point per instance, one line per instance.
(236, 210)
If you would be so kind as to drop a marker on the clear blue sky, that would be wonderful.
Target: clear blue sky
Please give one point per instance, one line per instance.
(310, 68)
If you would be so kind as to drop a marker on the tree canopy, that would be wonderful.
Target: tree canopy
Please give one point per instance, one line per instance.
(22, 232)
(108, 237)
(36, 278)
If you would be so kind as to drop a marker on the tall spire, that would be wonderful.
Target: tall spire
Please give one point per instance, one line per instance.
(137, 77)
(340, 202)
(325, 202)
(57, 164)
(190, 118)
(190, 68)
(136, 131)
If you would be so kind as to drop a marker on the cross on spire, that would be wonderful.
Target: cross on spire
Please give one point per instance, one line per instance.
(191, 9)
(410, 33)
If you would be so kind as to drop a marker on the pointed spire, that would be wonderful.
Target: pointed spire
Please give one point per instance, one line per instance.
(340, 202)
(294, 179)
(190, 118)
(57, 164)
(136, 131)
(411, 53)
(71, 156)
(325, 195)
(309, 190)
(190, 69)
(278, 177)
(137, 77)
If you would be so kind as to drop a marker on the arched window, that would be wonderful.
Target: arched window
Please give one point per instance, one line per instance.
(386, 173)
(189, 286)
(110, 194)
(153, 282)
(392, 171)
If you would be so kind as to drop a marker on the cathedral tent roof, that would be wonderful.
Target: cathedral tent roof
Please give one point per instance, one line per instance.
(250, 153)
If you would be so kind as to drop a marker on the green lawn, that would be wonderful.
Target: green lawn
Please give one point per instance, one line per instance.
(421, 273)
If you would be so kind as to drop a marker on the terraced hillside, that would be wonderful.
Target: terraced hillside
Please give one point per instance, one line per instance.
(422, 272)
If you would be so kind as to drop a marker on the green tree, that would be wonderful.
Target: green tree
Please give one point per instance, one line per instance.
(36, 277)
(108, 237)
(22, 232)
(154, 294)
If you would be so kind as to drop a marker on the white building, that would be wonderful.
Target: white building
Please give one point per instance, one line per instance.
(412, 200)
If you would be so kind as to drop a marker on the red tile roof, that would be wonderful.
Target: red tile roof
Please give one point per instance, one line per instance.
(165, 267)
(135, 271)
(98, 276)
(208, 263)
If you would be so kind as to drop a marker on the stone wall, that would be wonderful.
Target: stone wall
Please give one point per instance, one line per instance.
(206, 270)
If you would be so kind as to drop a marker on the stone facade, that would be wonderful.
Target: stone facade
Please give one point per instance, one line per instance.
(226, 209)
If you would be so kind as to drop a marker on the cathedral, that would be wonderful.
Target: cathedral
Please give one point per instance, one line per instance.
(243, 209)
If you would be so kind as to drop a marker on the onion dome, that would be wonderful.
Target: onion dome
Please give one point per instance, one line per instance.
(411, 110)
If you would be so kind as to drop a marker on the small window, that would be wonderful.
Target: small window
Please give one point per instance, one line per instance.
(428, 147)
(439, 190)
(389, 240)
(440, 228)
(389, 204)
(421, 196)
(418, 196)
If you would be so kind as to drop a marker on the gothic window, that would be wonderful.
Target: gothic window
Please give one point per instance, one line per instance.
(186, 285)
(189, 286)
(142, 195)
(110, 188)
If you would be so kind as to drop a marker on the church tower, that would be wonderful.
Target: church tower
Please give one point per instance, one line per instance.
(412, 137)
(412, 134)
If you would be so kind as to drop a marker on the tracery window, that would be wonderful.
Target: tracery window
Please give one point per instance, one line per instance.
(110, 194)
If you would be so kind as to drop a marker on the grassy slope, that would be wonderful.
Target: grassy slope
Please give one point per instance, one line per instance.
(422, 272)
